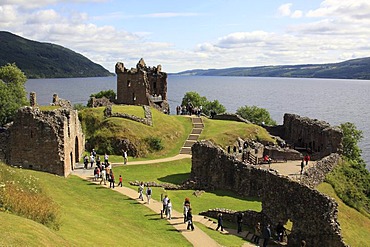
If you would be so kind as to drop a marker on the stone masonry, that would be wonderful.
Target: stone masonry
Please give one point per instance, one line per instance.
(314, 215)
(317, 137)
(142, 85)
(50, 141)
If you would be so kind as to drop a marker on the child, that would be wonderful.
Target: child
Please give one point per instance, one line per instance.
(120, 181)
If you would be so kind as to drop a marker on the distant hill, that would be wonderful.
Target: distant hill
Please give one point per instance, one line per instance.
(46, 60)
(350, 69)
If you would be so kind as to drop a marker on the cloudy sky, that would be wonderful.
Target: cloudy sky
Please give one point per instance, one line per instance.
(191, 34)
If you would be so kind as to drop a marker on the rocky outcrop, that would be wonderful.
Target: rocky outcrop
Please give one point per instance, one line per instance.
(314, 215)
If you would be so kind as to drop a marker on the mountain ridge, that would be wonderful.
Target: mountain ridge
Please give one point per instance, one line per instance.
(350, 69)
(46, 60)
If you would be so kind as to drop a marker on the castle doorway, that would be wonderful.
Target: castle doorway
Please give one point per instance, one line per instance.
(77, 151)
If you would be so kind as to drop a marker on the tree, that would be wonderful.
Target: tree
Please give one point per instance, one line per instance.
(351, 137)
(255, 115)
(12, 92)
(196, 100)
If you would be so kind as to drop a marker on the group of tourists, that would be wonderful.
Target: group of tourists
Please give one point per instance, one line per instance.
(189, 109)
(95, 159)
(167, 207)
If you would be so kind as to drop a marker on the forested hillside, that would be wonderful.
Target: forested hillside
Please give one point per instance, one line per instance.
(46, 60)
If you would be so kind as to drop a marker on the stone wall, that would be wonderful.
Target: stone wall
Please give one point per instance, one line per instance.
(318, 138)
(313, 214)
(315, 173)
(142, 85)
(50, 141)
(231, 117)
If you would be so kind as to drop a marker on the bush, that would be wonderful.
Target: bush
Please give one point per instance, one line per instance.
(154, 143)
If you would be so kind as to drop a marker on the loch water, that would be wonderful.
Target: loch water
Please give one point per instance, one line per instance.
(335, 101)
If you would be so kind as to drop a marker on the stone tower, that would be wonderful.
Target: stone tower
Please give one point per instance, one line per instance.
(142, 85)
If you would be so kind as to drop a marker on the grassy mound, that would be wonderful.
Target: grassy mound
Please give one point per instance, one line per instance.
(355, 226)
(225, 133)
(163, 139)
(18, 231)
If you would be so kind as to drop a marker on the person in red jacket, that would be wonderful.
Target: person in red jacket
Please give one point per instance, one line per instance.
(120, 181)
(306, 159)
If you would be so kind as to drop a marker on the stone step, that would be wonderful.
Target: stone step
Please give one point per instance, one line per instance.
(185, 150)
(189, 143)
(198, 125)
(197, 120)
(193, 137)
(196, 131)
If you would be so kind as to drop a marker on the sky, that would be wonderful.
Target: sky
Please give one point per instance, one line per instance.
(196, 34)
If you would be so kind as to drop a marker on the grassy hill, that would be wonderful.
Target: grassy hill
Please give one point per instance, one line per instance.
(46, 60)
(350, 69)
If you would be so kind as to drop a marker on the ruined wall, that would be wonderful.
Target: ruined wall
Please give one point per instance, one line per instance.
(50, 141)
(312, 134)
(231, 117)
(138, 86)
(313, 214)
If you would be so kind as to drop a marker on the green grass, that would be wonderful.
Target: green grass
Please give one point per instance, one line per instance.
(129, 109)
(222, 239)
(176, 172)
(18, 231)
(103, 133)
(355, 226)
(225, 133)
(95, 216)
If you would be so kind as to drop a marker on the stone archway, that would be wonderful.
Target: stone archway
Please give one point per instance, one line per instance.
(77, 151)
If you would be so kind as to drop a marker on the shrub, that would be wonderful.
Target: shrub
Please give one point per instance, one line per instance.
(197, 101)
(154, 143)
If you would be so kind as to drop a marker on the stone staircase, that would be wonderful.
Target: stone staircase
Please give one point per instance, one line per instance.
(194, 135)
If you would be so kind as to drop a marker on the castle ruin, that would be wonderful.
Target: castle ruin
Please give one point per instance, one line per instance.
(142, 85)
(50, 141)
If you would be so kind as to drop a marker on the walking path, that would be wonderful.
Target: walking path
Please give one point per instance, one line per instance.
(196, 237)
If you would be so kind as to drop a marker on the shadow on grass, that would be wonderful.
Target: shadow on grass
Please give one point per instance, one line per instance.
(175, 178)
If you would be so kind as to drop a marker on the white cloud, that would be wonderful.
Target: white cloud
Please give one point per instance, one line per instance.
(297, 14)
(284, 10)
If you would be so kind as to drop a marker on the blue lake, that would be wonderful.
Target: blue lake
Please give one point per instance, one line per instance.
(334, 101)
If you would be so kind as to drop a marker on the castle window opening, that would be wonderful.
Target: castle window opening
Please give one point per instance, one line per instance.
(155, 85)
(31, 134)
(134, 97)
(128, 83)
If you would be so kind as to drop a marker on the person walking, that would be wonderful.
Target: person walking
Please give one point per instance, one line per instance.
(186, 209)
(257, 233)
(148, 194)
(111, 180)
(169, 209)
(164, 204)
(141, 190)
(302, 166)
(306, 159)
(120, 181)
(125, 159)
(266, 235)
(103, 177)
(189, 217)
(239, 221)
(220, 222)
